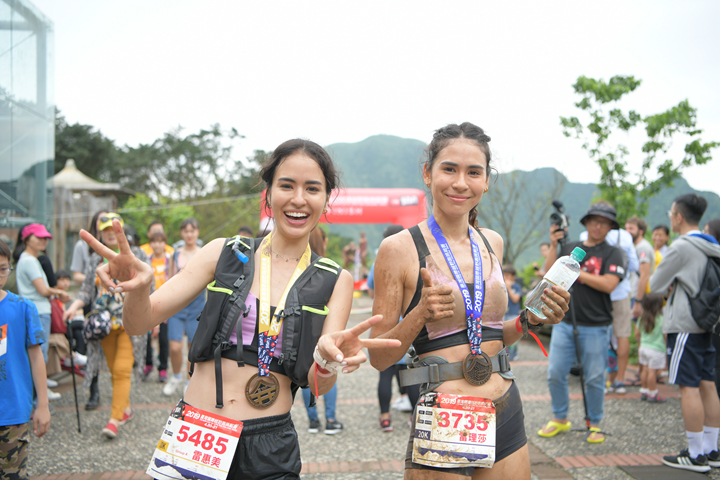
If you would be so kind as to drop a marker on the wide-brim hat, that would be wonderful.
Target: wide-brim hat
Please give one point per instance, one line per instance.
(36, 229)
(106, 221)
(602, 210)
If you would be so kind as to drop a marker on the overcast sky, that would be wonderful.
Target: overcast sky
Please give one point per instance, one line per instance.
(343, 71)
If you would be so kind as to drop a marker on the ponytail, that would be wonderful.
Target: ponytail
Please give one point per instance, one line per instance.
(472, 218)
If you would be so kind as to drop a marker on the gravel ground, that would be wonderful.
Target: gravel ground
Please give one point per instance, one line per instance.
(635, 427)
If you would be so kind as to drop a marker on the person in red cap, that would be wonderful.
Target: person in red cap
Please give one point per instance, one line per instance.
(32, 282)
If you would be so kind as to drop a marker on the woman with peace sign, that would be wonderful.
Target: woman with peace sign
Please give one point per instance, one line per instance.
(123, 352)
(299, 177)
(444, 277)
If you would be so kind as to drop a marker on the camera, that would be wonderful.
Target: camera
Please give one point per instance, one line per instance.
(559, 218)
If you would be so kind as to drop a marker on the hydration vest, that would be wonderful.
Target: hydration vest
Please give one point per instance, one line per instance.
(303, 316)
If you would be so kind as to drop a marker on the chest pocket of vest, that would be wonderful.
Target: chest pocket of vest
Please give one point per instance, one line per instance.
(216, 308)
(303, 327)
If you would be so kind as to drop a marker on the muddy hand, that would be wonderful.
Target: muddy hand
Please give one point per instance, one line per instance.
(346, 346)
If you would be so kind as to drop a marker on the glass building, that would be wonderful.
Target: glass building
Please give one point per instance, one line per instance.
(27, 116)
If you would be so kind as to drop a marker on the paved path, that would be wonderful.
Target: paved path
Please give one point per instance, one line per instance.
(640, 433)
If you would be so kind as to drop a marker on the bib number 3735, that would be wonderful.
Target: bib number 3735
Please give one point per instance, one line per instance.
(454, 431)
(195, 444)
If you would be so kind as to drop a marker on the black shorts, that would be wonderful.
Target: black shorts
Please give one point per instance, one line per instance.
(268, 449)
(509, 437)
(691, 358)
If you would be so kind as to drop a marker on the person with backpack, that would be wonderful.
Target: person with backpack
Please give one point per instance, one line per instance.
(274, 321)
(691, 355)
(184, 323)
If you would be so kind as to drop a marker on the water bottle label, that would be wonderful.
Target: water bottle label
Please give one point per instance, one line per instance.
(562, 277)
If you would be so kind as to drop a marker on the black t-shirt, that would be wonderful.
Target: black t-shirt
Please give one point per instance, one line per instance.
(593, 308)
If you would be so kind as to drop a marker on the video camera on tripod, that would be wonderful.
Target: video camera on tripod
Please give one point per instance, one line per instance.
(559, 218)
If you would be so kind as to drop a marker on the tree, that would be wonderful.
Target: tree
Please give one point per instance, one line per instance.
(138, 212)
(95, 155)
(182, 167)
(621, 185)
(516, 206)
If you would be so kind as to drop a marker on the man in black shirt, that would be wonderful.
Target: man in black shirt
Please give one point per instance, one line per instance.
(602, 270)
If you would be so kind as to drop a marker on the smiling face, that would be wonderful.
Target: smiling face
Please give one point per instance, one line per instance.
(297, 195)
(659, 238)
(458, 177)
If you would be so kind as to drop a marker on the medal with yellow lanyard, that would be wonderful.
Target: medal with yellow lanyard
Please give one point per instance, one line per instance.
(263, 388)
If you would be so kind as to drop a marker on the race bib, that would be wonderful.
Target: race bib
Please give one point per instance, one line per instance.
(195, 444)
(453, 431)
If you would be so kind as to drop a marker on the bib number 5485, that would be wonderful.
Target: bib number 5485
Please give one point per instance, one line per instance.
(206, 442)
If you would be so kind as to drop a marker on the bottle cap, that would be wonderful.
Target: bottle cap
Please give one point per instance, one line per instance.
(578, 254)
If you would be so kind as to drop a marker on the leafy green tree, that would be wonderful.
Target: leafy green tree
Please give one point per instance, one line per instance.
(184, 166)
(139, 212)
(620, 182)
(95, 155)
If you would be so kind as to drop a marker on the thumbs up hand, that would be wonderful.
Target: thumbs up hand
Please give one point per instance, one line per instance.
(436, 302)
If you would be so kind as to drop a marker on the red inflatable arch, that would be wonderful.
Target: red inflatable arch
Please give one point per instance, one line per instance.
(400, 206)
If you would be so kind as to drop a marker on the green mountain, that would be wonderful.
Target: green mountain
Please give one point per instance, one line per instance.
(386, 161)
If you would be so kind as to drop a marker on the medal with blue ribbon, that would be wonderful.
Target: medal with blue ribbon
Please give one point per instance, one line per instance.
(473, 306)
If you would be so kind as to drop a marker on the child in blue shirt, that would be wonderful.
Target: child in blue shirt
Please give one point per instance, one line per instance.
(21, 365)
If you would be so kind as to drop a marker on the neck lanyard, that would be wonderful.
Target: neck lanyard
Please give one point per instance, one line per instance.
(473, 311)
(269, 328)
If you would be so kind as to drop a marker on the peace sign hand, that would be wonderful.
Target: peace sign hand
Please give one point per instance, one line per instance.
(131, 272)
(346, 346)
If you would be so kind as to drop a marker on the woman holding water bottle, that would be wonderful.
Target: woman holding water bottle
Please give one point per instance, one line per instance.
(444, 277)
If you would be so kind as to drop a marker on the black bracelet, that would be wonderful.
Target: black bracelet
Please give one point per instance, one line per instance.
(526, 325)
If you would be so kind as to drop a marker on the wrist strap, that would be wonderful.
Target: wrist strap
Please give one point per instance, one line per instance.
(324, 364)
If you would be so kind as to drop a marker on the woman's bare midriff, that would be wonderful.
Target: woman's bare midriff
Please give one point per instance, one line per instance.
(201, 391)
(495, 387)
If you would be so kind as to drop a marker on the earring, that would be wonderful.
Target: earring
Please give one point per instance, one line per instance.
(324, 211)
(427, 184)
(486, 189)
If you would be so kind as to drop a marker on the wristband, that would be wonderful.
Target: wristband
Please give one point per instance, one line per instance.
(324, 364)
(321, 372)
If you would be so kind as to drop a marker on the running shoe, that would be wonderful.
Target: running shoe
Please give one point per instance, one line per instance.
(146, 372)
(656, 399)
(162, 376)
(110, 431)
(714, 459)
(52, 395)
(333, 427)
(686, 462)
(127, 417)
(51, 383)
(617, 387)
(171, 386)
(386, 425)
(402, 404)
(314, 426)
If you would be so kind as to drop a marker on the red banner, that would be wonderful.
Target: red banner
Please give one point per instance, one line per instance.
(399, 206)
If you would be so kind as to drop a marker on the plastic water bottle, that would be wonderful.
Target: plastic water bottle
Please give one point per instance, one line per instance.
(563, 273)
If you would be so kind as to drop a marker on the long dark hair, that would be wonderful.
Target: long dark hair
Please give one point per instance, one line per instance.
(652, 304)
(317, 241)
(447, 134)
(92, 228)
(19, 244)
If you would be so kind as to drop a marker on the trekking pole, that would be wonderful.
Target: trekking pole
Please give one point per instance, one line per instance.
(71, 341)
(581, 369)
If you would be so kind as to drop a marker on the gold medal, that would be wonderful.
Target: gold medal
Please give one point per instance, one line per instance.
(477, 368)
(262, 392)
